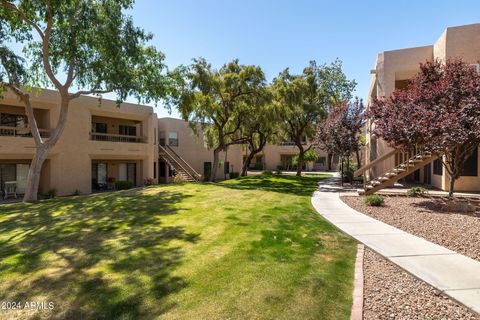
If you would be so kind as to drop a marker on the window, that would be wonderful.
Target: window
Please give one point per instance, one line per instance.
(13, 120)
(161, 138)
(226, 167)
(127, 172)
(438, 167)
(470, 167)
(99, 176)
(321, 161)
(173, 139)
(154, 136)
(127, 130)
(99, 127)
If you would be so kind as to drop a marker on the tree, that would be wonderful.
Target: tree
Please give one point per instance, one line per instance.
(339, 132)
(305, 99)
(309, 156)
(259, 126)
(92, 45)
(218, 100)
(439, 112)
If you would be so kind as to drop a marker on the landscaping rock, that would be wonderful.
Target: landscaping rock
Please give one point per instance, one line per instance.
(391, 293)
(458, 206)
(425, 218)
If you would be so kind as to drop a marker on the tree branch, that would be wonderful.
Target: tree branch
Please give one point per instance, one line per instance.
(46, 50)
(32, 122)
(85, 92)
(22, 15)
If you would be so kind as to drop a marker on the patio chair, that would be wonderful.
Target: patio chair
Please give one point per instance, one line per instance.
(10, 189)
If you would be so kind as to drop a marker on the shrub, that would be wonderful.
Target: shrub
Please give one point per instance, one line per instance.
(76, 192)
(178, 178)
(234, 175)
(51, 193)
(258, 166)
(416, 192)
(374, 200)
(123, 185)
(148, 181)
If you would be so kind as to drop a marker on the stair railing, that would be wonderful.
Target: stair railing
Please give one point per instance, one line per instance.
(192, 171)
(406, 160)
(365, 170)
(179, 164)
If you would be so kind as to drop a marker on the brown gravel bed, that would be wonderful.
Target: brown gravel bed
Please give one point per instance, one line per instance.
(391, 293)
(423, 217)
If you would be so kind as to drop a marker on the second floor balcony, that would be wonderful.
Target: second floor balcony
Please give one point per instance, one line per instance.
(11, 131)
(117, 130)
(99, 136)
(14, 122)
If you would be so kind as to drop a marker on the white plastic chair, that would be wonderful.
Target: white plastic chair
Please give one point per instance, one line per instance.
(10, 189)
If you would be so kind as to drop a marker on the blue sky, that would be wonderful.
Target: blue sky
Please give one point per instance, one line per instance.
(279, 34)
(276, 34)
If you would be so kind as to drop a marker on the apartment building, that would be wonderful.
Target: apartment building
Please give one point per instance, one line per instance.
(392, 71)
(280, 157)
(104, 143)
(101, 143)
(183, 150)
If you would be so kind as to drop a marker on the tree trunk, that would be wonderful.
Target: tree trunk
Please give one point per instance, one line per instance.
(452, 187)
(301, 156)
(247, 162)
(341, 174)
(329, 161)
(33, 178)
(359, 161)
(216, 153)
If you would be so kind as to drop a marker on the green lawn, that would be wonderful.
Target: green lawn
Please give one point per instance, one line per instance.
(249, 248)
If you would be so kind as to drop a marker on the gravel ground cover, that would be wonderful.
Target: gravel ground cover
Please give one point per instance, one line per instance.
(391, 293)
(423, 217)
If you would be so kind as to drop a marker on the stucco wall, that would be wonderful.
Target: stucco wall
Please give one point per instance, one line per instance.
(70, 160)
(455, 42)
(192, 149)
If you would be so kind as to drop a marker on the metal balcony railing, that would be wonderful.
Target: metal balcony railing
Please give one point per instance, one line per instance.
(21, 132)
(97, 136)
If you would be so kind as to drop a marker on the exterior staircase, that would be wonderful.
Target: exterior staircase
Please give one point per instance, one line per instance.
(413, 162)
(180, 166)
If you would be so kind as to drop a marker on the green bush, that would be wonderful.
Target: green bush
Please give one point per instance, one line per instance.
(258, 166)
(51, 193)
(416, 192)
(234, 175)
(123, 185)
(267, 173)
(374, 200)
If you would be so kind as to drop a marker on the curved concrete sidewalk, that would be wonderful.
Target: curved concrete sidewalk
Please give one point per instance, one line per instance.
(451, 273)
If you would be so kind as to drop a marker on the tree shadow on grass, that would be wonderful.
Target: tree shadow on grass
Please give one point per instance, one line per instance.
(302, 186)
(103, 256)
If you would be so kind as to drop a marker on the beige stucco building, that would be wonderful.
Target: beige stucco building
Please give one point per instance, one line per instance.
(102, 143)
(280, 157)
(392, 71)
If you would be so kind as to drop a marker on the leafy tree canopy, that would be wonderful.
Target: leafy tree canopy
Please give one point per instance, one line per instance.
(92, 45)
